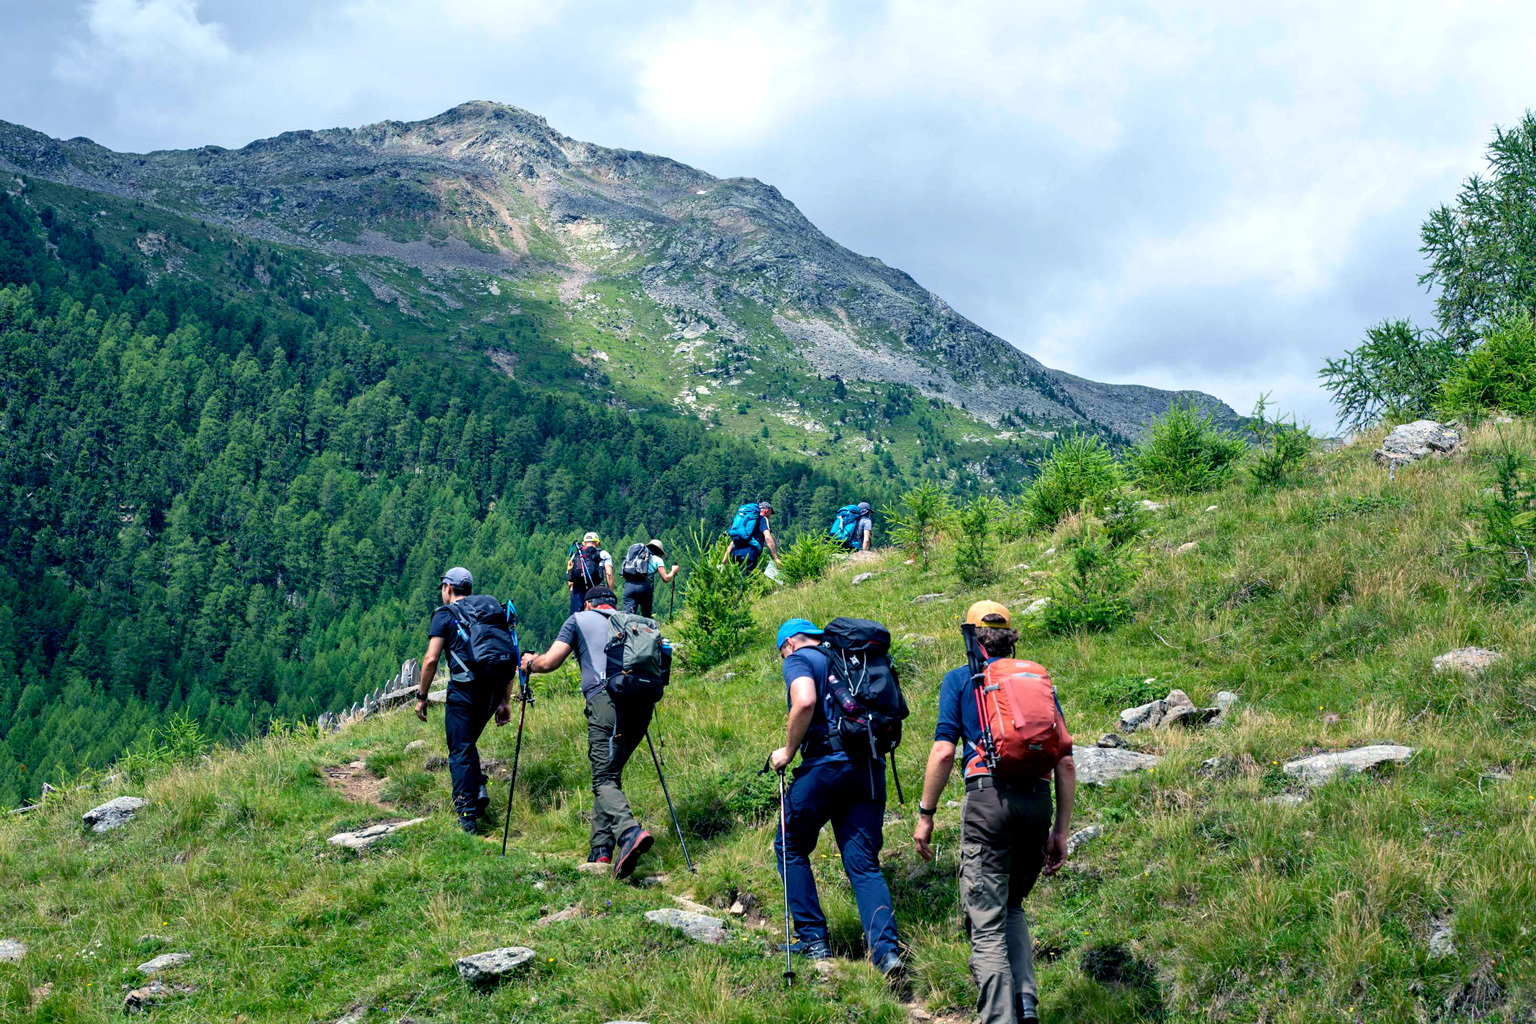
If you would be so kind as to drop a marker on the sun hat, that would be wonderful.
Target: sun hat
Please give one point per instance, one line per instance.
(655, 545)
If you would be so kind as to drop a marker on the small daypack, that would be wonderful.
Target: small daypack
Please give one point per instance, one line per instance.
(745, 527)
(865, 703)
(586, 567)
(1023, 736)
(486, 650)
(639, 658)
(844, 523)
(637, 564)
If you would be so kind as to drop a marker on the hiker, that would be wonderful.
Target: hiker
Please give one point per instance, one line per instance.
(641, 564)
(1007, 838)
(749, 534)
(477, 690)
(613, 730)
(586, 567)
(828, 786)
(853, 526)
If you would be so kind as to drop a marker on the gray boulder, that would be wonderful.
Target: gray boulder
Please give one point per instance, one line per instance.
(1319, 768)
(1413, 441)
(1111, 739)
(112, 814)
(493, 966)
(1082, 837)
(696, 926)
(863, 577)
(1442, 942)
(141, 999)
(1469, 661)
(415, 745)
(366, 837)
(926, 598)
(164, 961)
(1147, 716)
(1226, 700)
(12, 950)
(1099, 765)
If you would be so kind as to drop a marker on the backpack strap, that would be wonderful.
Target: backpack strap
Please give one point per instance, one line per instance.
(454, 655)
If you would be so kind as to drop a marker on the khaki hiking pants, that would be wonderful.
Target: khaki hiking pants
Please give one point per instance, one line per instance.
(613, 733)
(1002, 848)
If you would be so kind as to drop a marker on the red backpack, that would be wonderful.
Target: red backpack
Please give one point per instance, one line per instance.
(1022, 734)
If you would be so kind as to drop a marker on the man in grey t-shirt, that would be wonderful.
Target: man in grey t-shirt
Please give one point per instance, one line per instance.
(613, 731)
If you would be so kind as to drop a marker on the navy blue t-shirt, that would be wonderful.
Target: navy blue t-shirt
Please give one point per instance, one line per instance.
(958, 718)
(446, 626)
(810, 661)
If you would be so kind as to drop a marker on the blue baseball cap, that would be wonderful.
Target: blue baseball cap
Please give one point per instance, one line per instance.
(794, 627)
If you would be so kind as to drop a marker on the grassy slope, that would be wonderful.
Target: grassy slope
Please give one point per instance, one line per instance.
(1249, 911)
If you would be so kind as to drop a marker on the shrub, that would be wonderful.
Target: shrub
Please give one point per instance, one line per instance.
(179, 741)
(1091, 594)
(1079, 468)
(1500, 373)
(1395, 373)
(719, 596)
(1124, 519)
(975, 547)
(807, 558)
(1504, 539)
(1280, 450)
(920, 519)
(1185, 452)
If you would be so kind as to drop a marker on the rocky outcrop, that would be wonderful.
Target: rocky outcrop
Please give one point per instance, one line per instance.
(1097, 766)
(142, 999)
(366, 837)
(696, 926)
(1319, 768)
(483, 970)
(163, 962)
(1417, 440)
(1469, 661)
(1175, 709)
(112, 814)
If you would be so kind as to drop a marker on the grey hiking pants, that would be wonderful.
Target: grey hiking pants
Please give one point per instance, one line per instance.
(1002, 848)
(613, 733)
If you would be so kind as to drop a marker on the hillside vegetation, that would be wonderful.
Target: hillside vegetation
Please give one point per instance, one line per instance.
(1321, 604)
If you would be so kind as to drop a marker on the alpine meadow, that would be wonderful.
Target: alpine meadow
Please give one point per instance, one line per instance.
(261, 404)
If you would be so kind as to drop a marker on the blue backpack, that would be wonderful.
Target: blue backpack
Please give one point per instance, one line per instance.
(746, 526)
(844, 523)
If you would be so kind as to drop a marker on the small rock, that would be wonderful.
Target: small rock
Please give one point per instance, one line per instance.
(1318, 769)
(1210, 766)
(1178, 699)
(729, 675)
(1417, 440)
(698, 927)
(568, 914)
(493, 966)
(688, 904)
(1187, 547)
(437, 762)
(1225, 699)
(593, 868)
(1503, 419)
(1111, 739)
(12, 950)
(1146, 716)
(1082, 837)
(149, 940)
(150, 968)
(1050, 552)
(1147, 505)
(1211, 508)
(366, 837)
(357, 764)
(1442, 942)
(1021, 567)
(648, 881)
(356, 1014)
(738, 908)
(112, 814)
(1037, 605)
(141, 999)
(925, 598)
(415, 745)
(951, 803)
(1496, 775)
(1099, 765)
(1469, 661)
(42, 992)
(919, 639)
(1285, 799)
(825, 968)
(863, 577)
(541, 886)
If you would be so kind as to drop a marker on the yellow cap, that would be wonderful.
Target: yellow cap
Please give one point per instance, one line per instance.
(988, 613)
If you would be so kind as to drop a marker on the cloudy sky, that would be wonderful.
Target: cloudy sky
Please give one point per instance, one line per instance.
(1175, 194)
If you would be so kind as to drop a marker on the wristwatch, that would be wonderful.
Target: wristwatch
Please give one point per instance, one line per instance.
(420, 695)
(927, 812)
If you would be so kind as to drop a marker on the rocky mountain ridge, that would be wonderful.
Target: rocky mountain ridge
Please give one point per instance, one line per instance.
(491, 190)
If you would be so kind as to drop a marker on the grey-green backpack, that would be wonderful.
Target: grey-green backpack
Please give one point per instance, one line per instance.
(639, 658)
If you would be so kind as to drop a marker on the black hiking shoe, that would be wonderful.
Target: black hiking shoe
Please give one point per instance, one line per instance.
(814, 949)
(600, 855)
(633, 843)
(891, 966)
(469, 823)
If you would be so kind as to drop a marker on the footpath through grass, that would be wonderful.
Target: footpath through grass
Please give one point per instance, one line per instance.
(1321, 606)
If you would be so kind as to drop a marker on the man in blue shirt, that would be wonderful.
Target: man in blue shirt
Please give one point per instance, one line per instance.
(828, 786)
(1006, 834)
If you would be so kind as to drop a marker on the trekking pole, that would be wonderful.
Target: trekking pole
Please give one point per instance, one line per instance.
(896, 777)
(524, 697)
(675, 823)
(789, 963)
(672, 599)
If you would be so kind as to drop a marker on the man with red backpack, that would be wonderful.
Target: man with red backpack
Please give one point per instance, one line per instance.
(1015, 743)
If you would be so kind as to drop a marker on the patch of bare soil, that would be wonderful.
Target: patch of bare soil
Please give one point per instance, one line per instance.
(355, 782)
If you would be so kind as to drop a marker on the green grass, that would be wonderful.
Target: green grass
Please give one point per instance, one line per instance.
(1246, 911)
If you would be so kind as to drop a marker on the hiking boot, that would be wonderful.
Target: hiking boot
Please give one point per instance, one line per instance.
(811, 949)
(631, 845)
(469, 823)
(891, 966)
(482, 802)
(600, 855)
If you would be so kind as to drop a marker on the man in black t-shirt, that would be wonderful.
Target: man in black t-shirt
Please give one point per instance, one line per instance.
(470, 703)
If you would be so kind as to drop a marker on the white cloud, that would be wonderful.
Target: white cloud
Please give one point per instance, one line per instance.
(161, 37)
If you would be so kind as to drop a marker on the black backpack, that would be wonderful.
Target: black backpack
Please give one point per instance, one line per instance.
(586, 567)
(637, 564)
(485, 649)
(866, 706)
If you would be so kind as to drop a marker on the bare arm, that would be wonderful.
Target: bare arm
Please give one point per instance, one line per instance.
(941, 761)
(608, 572)
(802, 704)
(1066, 794)
(428, 673)
(548, 661)
(867, 534)
(668, 576)
(773, 549)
